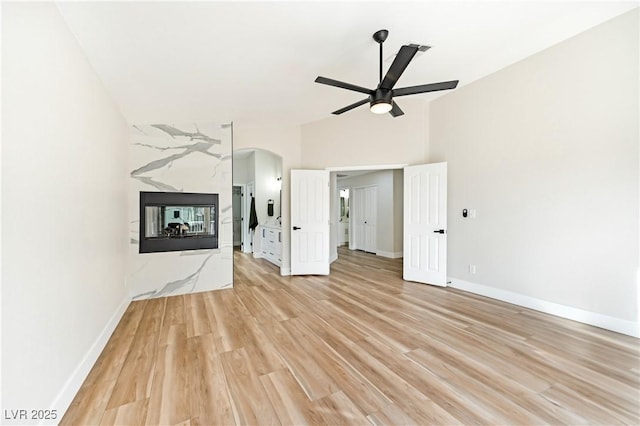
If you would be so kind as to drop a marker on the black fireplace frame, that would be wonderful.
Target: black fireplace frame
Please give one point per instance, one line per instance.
(200, 242)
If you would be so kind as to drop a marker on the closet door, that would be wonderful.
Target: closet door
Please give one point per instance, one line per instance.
(365, 209)
(371, 219)
(358, 219)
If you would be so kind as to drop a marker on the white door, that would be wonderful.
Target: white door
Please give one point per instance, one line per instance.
(425, 224)
(309, 222)
(371, 219)
(365, 209)
(358, 220)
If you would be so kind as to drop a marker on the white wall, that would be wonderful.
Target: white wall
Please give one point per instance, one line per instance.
(64, 218)
(243, 170)
(268, 167)
(285, 142)
(546, 151)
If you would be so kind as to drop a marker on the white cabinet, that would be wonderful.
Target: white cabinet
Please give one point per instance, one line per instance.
(271, 243)
(343, 231)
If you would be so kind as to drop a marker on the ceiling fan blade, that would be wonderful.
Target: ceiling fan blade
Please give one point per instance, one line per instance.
(342, 85)
(350, 107)
(404, 56)
(395, 110)
(433, 87)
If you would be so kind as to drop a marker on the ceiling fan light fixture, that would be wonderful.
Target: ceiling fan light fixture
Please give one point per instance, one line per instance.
(381, 101)
(381, 106)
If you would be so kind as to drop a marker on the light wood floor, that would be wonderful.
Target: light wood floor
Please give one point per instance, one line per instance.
(360, 346)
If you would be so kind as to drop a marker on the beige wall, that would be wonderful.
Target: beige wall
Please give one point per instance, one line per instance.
(546, 151)
(359, 138)
(64, 211)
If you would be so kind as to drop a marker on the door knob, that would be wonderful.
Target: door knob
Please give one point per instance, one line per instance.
(295, 228)
(439, 231)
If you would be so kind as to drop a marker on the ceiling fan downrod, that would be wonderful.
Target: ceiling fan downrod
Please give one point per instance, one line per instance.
(380, 36)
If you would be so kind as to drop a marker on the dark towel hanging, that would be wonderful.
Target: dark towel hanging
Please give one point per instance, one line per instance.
(253, 217)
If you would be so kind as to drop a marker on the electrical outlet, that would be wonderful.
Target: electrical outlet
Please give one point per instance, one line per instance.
(472, 269)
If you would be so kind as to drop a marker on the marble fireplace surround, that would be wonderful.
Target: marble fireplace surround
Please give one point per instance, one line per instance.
(189, 158)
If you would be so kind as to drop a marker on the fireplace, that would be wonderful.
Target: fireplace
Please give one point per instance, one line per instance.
(177, 221)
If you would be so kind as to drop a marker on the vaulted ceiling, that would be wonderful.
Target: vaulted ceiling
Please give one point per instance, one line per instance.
(254, 63)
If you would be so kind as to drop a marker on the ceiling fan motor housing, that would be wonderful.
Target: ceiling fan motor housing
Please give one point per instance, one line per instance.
(381, 96)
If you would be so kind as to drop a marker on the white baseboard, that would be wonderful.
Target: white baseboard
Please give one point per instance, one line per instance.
(285, 272)
(69, 390)
(618, 325)
(389, 254)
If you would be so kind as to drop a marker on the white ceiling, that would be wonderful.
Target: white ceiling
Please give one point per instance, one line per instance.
(254, 63)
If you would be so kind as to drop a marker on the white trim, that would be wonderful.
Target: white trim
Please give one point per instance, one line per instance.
(356, 168)
(71, 387)
(333, 258)
(285, 272)
(389, 254)
(618, 325)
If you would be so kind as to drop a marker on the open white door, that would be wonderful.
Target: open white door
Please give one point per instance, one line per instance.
(425, 224)
(309, 222)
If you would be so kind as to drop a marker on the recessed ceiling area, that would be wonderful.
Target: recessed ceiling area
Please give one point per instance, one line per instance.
(254, 63)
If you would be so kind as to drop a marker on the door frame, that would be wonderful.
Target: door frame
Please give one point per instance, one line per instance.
(247, 246)
(355, 169)
(243, 212)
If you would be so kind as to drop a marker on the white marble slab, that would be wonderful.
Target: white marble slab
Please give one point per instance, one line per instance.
(181, 158)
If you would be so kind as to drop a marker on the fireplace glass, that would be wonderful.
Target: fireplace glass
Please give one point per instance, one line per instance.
(175, 221)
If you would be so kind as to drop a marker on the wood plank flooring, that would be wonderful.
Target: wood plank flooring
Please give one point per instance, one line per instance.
(360, 346)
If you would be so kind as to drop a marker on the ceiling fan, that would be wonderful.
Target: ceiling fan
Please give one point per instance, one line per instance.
(381, 98)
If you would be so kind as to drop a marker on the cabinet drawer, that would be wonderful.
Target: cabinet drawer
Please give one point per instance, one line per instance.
(271, 244)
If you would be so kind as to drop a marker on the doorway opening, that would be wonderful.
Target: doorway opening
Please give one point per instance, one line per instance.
(416, 228)
(238, 216)
(367, 210)
(258, 175)
(343, 221)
